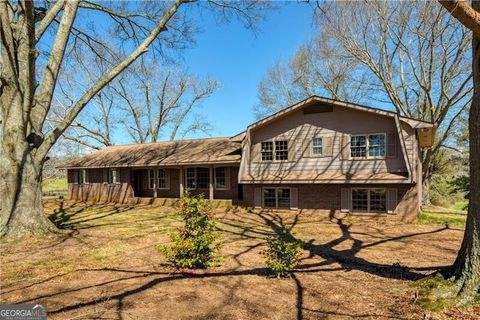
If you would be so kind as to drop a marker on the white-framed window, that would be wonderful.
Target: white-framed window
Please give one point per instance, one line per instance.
(369, 200)
(151, 178)
(278, 198)
(367, 146)
(267, 151)
(281, 150)
(197, 178)
(162, 179)
(220, 179)
(274, 150)
(82, 176)
(113, 176)
(317, 146)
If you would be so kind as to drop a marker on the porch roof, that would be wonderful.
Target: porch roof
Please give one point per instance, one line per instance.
(168, 153)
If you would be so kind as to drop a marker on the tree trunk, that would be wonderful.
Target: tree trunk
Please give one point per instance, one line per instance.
(21, 194)
(467, 266)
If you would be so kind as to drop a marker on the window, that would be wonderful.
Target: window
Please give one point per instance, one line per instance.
(281, 150)
(190, 178)
(112, 176)
(151, 179)
(376, 145)
(197, 178)
(317, 147)
(267, 151)
(203, 178)
(82, 176)
(360, 200)
(276, 198)
(358, 146)
(162, 179)
(369, 200)
(367, 146)
(220, 179)
(378, 200)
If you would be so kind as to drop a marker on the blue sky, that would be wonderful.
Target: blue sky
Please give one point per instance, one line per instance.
(239, 59)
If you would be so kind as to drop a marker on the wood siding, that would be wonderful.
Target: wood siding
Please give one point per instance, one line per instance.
(337, 126)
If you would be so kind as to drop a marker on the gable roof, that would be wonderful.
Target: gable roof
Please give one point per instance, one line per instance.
(181, 152)
(416, 124)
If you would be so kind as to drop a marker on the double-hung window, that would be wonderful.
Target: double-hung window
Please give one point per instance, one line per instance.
(197, 178)
(220, 180)
(112, 176)
(277, 150)
(281, 150)
(82, 176)
(276, 198)
(151, 179)
(369, 200)
(367, 146)
(267, 151)
(317, 146)
(162, 179)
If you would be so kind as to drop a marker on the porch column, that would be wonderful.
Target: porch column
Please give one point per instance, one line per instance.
(211, 182)
(155, 179)
(181, 181)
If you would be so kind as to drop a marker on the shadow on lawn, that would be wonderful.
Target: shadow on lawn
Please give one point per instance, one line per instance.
(347, 259)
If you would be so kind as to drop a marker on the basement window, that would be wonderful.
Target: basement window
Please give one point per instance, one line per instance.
(369, 200)
(278, 198)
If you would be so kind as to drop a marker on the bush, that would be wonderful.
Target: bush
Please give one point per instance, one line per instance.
(195, 244)
(283, 253)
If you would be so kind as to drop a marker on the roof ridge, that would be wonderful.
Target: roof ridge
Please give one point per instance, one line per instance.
(164, 142)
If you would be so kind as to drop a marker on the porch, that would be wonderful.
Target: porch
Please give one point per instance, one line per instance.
(215, 182)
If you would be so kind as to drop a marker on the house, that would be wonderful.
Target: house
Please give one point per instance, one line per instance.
(319, 154)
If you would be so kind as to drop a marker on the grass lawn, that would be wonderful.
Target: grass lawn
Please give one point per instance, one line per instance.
(55, 186)
(109, 266)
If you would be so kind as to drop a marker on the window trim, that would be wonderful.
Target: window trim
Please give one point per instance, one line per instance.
(274, 151)
(367, 146)
(368, 200)
(312, 147)
(276, 198)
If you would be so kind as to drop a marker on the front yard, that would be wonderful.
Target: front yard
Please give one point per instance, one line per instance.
(109, 266)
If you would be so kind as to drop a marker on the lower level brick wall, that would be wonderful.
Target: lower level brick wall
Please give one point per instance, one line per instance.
(326, 198)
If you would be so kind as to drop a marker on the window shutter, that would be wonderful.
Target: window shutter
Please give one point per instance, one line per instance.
(327, 146)
(391, 145)
(293, 198)
(227, 178)
(257, 197)
(345, 200)
(167, 179)
(291, 150)
(256, 154)
(345, 147)
(307, 147)
(105, 176)
(392, 200)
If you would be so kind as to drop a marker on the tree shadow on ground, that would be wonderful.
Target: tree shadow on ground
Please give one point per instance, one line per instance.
(330, 259)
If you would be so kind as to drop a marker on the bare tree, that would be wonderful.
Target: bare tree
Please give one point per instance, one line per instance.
(466, 269)
(27, 56)
(409, 55)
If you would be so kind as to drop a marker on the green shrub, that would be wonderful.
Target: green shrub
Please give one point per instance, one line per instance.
(194, 245)
(283, 253)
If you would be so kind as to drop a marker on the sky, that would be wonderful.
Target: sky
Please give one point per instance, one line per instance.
(240, 58)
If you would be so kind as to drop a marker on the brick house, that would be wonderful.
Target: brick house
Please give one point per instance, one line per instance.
(318, 154)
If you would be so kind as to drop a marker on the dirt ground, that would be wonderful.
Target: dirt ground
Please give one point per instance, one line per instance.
(109, 266)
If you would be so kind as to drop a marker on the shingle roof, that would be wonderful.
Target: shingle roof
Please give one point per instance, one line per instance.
(198, 151)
